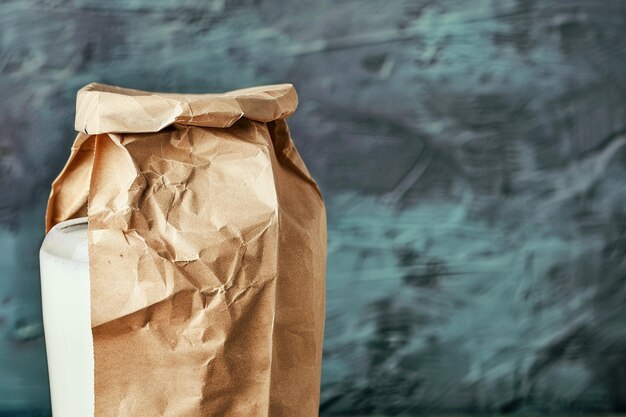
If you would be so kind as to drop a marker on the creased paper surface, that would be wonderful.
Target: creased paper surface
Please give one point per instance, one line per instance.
(207, 241)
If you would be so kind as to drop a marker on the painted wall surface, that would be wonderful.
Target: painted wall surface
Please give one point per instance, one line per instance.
(472, 155)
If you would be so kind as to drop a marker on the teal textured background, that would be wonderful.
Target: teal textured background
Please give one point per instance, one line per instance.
(471, 154)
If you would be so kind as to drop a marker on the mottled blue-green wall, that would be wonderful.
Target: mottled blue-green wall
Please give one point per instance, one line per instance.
(471, 154)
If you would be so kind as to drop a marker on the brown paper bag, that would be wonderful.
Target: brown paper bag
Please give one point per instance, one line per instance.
(207, 243)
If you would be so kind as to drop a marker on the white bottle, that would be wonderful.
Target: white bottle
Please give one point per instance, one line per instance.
(64, 263)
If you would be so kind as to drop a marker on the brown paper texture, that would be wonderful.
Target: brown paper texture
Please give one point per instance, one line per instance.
(207, 242)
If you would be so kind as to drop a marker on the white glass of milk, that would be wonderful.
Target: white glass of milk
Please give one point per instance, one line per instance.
(64, 262)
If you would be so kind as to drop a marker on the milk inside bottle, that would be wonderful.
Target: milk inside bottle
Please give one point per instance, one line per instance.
(65, 297)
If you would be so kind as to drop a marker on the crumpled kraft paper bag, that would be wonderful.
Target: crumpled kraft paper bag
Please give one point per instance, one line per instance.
(207, 242)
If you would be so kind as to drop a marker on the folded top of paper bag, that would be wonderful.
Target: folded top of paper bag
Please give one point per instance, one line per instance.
(103, 108)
